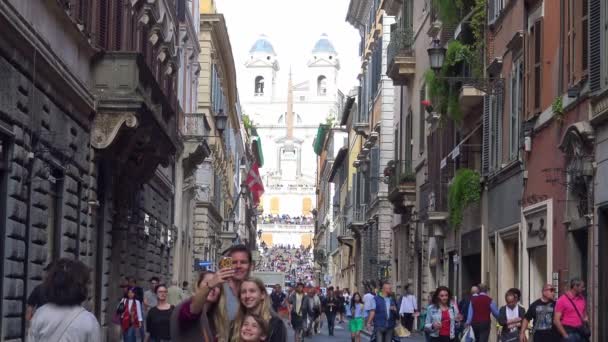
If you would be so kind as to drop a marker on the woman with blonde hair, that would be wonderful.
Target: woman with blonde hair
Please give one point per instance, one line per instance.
(255, 301)
(204, 314)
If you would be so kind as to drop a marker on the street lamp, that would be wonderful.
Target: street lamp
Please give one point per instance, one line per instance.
(220, 121)
(436, 54)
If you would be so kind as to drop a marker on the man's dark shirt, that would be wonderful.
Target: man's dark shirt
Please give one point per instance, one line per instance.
(277, 300)
(37, 297)
(542, 315)
(331, 305)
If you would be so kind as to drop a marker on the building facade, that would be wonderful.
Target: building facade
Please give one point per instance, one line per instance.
(217, 204)
(89, 141)
(374, 124)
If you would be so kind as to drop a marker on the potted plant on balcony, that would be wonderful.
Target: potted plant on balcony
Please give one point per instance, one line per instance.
(558, 109)
(407, 178)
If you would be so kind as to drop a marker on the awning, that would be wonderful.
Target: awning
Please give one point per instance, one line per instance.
(317, 144)
(337, 163)
(256, 147)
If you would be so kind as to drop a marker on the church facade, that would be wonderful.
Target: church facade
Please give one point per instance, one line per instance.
(286, 111)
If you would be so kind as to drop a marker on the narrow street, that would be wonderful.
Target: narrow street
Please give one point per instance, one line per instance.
(341, 333)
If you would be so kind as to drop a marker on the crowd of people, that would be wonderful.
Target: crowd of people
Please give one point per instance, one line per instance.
(285, 219)
(230, 306)
(295, 262)
(445, 320)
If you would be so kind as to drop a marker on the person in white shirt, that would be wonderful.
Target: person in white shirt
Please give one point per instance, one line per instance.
(408, 309)
(63, 318)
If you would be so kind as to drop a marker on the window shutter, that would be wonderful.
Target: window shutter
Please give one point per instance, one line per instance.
(485, 158)
(102, 24)
(498, 118)
(374, 170)
(421, 118)
(595, 46)
(118, 20)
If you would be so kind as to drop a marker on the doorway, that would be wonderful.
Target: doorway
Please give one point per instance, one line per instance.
(537, 269)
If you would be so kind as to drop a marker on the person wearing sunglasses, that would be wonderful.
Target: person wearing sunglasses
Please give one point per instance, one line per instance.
(541, 313)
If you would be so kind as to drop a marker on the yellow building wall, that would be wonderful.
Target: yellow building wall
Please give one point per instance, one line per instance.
(267, 238)
(306, 240)
(207, 6)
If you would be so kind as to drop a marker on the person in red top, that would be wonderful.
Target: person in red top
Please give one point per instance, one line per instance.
(478, 315)
(570, 313)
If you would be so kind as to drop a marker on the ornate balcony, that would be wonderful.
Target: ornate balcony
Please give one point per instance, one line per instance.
(402, 185)
(400, 56)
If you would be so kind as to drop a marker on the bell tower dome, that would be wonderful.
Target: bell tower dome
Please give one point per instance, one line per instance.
(323, 66)
(262, 66)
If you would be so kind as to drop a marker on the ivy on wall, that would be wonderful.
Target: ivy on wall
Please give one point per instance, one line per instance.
(464, 191)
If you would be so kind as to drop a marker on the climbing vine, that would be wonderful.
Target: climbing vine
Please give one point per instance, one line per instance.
(464, 190)
(444, 94)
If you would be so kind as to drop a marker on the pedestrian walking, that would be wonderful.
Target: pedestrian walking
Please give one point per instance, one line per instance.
(150, 296)
(63, 318)
(510, 317)
(254, 300)
(341, 305)
(297, 311)
(131, 318)
(355, 325)
(202, 317)
(139, 295)
(254, 329)
(570, 318)
(317, 311)
(330, 306)
(463, 307)
(408, 308)
(368, 299)
(158, 320)
(347, 308)
(278, 298)
(540, 313)
(383, 314)
(478, 315)
(441, 316)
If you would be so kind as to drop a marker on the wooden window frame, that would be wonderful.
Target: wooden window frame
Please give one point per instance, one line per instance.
(516, 106)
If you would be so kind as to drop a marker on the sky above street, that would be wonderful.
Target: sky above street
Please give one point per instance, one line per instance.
(293, 27)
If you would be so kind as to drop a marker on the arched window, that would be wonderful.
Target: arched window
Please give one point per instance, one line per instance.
(259, 86)
(322, 86)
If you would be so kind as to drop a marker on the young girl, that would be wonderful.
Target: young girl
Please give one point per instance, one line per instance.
(255, 301)
(254, 328)
(131, 318)
(355, 325)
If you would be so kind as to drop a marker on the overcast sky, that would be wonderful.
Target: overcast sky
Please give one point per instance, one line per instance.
(293, 27)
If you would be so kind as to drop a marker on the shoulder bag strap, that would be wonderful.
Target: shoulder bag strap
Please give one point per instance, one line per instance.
(575, 308)
(65, 324)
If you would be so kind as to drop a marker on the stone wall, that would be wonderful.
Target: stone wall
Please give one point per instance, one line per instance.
(49, 184)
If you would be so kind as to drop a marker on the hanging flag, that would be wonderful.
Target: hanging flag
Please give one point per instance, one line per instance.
(254, 183)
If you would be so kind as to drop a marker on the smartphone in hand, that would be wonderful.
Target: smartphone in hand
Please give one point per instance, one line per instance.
(225, 262)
